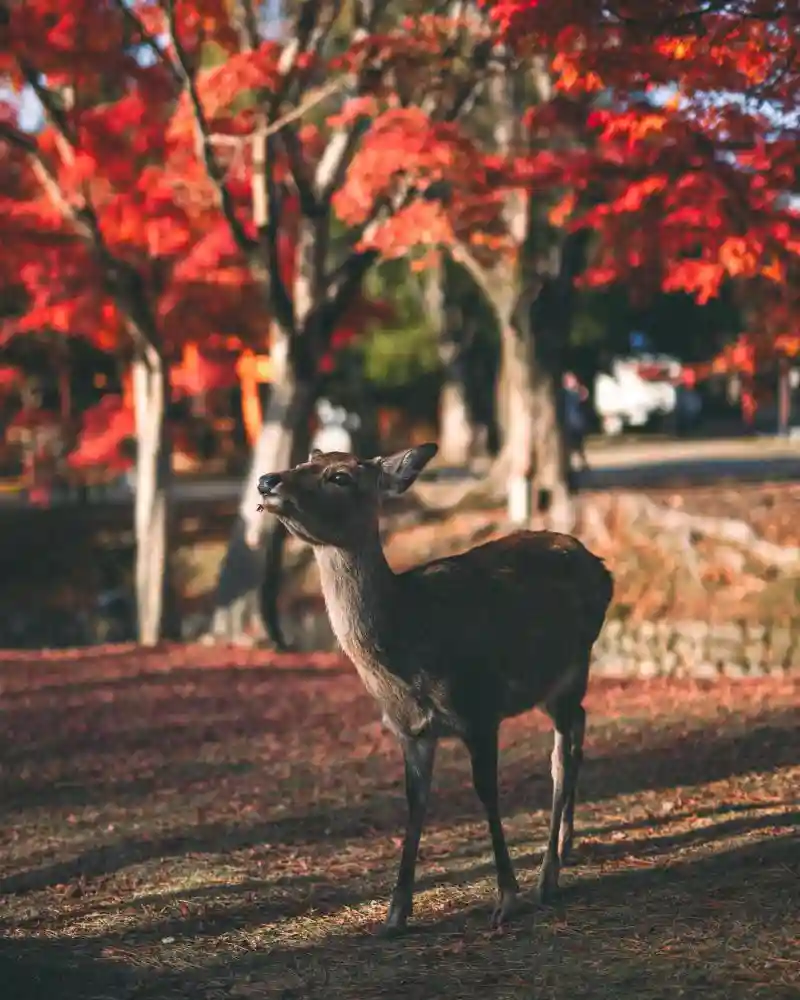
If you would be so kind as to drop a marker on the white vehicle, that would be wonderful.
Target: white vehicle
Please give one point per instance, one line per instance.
(639, 388)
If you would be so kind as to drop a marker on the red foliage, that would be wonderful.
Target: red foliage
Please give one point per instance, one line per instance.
(691, 162)
(663, 135)
(105, 426)
(123, 155)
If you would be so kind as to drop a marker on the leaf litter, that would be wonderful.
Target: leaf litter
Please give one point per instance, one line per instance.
(200, 823)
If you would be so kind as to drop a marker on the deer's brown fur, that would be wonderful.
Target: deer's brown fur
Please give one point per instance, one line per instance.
(452, 647)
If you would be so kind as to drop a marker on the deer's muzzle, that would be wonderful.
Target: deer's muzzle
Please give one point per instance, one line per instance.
(269, 486)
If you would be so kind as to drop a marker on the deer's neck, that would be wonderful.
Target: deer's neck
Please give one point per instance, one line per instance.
(359, 590)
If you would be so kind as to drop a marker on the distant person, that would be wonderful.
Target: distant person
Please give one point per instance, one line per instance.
(575, 394)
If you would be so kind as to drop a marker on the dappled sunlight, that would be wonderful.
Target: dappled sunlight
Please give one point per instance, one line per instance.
(192, 819)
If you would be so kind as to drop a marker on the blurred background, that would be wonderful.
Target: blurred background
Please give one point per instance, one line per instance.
(508, 256)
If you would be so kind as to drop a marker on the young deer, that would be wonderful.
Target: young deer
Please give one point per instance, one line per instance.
(452, 647)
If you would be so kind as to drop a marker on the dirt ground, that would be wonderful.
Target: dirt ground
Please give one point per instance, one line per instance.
(199, 824)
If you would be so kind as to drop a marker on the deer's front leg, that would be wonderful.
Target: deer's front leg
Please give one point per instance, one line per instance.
(419, 753)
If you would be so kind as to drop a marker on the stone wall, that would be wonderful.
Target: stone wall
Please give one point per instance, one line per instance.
(653, 649)
(696, 649)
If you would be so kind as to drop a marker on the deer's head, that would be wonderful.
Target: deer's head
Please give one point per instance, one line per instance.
(334, 498)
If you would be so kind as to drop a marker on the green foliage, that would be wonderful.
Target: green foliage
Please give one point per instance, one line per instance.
(404, 350)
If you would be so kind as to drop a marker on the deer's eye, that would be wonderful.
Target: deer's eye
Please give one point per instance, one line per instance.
(340, 479)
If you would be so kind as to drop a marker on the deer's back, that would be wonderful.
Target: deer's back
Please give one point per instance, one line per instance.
(518, 615)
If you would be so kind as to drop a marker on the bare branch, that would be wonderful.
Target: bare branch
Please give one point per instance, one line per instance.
(52, 189)
(50, 102)
(470, 89)
(691, 20)
(345, 285)
(343, 143)
(315, 97)
(309, 31)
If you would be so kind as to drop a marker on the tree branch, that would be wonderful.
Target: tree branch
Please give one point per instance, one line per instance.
(342, 145)
(84, 218)
(692, 18)
(269, 231)
(300, 172)
(481, 275)
(248, 25)
(49, 102)
(16, 137)
(469, 91)
(209, 157)
(334, 162)
(124, 281)
(344, 285)
(147, 39)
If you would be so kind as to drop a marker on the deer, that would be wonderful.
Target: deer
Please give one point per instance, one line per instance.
(452, 647)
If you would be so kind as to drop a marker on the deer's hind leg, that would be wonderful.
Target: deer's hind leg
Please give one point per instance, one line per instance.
(577, 732)
(568, 718)
(482, 744)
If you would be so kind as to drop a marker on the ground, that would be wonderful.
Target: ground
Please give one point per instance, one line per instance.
(197, 824)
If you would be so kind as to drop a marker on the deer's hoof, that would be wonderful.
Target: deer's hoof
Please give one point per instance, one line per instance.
(505, 909)
(394, 927)
(547, 887)
(389, 931)
(397, 919)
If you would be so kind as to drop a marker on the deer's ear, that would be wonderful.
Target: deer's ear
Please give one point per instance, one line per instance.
(314, 454)
(398, 471)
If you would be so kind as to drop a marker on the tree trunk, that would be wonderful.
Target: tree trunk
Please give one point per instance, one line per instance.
(456, 435)
(153, 475)
(533, 456)
(456, 428)
(250, 575)
(533, 459)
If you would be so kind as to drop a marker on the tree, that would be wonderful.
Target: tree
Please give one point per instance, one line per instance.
(667, 131)
(640, 129)
(455, 310)
(377, 68)
(513, 142)
(114, 232)
(174, 129)
(694, 135)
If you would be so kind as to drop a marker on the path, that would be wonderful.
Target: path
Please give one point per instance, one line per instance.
(623, 464)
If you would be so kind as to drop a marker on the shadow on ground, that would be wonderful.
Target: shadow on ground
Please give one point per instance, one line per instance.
(196, 826)
(642, 932)
(190, 732)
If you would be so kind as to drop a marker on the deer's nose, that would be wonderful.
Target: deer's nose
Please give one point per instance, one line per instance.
(267, 483)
